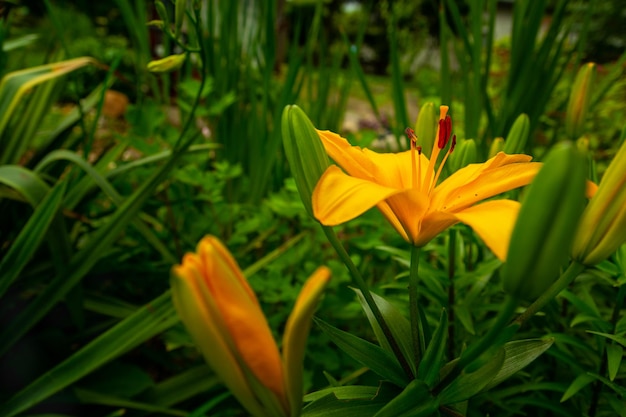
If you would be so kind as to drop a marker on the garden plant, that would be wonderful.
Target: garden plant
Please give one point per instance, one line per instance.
(191, 226)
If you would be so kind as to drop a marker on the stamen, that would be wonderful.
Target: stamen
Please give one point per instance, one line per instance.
(445, 128)
(443, 111)
(411, 135)
(445, 158)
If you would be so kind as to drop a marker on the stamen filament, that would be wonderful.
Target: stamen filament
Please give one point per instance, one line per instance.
(443, 111)
(445, 158)
(413, 138)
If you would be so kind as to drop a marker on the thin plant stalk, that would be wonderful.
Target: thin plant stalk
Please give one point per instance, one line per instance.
(499, 331)
(417, 327)
(360, 283)
(451, 292)
(566, 278)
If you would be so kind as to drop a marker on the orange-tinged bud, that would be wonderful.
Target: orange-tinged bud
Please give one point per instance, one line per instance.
(579, 100)
(225, 320)
(603, 226)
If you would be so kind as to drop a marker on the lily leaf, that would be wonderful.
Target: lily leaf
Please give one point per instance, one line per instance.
(397, 322)
(469, 384)
(433, 357)
(368, 354)
(517, 355)
(351, 402)
(577, 384)
(614, 354)
(415, 401)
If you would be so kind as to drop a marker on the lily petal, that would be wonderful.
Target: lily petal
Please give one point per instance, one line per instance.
(240, 311)
(197, 311)
(296, 333)
(389, 169)
(493, 221)
(338, 197)
(459, 191)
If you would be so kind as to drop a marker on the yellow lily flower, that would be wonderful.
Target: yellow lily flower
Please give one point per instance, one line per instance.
(403, 186)
(223, 316)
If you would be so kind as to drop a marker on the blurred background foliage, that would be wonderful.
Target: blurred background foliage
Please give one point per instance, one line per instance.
(118, 171)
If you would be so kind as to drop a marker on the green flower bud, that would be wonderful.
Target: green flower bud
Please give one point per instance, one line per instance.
(156, 24)
(162, 12)
(579, 99)
(496, 146)
(167, 64)
(179, 16)
(465, 153)
(603, 226)
(548, 218)
(426, 127)
(305, 152)
(518, 135)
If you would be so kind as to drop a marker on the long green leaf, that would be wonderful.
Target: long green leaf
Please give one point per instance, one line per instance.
(368, 354)
(82, 262)
(145, 323)
(31, 235)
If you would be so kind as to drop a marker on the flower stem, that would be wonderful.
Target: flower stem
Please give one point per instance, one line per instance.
(417, 327)
(495, 336)
(451, 293)
(360, 283)
(568, 276)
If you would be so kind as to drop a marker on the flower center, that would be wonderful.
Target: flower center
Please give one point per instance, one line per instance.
(444, 129)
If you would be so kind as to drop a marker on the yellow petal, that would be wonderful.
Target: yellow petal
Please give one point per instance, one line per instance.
(409, 208)
(296, 333)
(493, 221)
(463, 189)
(241, 314)
(388, 169)
(433, 224)
(198, 312)
(339, 197)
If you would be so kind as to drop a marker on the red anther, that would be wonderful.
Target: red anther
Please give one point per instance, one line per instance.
(410, 133)
(445, 128)
(453, 144)
(419, 150)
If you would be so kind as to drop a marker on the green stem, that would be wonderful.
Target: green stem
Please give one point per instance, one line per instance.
(495, 336)
(451, 292)
(360, 283)
(568, 276)
(417, 327)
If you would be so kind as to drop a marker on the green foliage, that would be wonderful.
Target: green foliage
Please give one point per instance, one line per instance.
(97, 208)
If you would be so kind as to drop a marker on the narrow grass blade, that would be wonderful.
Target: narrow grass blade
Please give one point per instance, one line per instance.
(147, 322)
(30, 237)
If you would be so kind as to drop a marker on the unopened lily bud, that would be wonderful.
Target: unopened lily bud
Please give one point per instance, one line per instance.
(582, 143)
(179, 16)
(304, 151)
(426, 127)
(464, 154)
(162, 12)
(603, 226)
(579, 100)
(547, 221)
(156, 24)
(224, 318)
(167, 64)
(518, 135)
(496, 146)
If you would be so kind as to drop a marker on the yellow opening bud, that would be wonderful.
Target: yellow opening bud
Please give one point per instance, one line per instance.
(167, 64)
